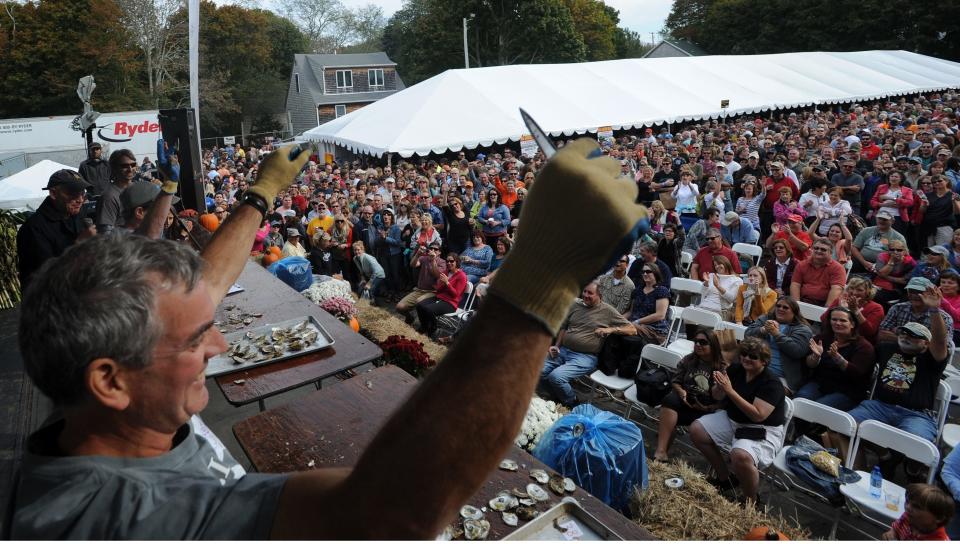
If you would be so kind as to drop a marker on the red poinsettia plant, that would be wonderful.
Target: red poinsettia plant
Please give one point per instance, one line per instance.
(407, 354)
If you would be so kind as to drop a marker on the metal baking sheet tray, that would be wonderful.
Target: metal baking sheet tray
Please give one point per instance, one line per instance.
(223, 363)
(569, 515)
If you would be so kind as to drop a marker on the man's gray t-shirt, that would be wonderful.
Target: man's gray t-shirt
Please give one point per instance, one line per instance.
(195, 491)
(109, 210)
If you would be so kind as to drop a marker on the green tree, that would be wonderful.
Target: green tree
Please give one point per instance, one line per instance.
(242, 77)
(425, 37)
(629, 44)
(597, 27)
(53, 45)
(687, 20)
(781, 26)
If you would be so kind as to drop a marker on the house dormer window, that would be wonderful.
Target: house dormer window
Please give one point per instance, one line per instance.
(344, 79)
(375, 79)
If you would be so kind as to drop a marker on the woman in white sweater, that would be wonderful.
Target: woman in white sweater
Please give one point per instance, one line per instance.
(720, 288)
(686, 193)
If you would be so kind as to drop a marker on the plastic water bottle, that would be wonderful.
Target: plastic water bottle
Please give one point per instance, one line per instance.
(876, 483)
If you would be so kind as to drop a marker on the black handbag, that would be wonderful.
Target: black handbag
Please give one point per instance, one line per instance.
(652, 385)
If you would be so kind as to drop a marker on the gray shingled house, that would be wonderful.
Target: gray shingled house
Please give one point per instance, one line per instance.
(672, 47)
(324, 87)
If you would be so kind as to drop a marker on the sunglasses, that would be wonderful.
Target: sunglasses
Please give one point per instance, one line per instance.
(701, 342)
(752, 356)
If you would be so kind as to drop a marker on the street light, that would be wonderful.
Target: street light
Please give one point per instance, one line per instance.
(466, 50)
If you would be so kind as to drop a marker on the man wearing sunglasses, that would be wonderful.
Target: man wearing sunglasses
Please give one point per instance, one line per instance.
(910, 366)
(123, 164)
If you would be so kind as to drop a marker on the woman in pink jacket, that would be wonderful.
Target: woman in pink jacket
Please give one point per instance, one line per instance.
(894, 196)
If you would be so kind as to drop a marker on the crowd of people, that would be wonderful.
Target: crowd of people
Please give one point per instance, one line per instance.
(854, 209)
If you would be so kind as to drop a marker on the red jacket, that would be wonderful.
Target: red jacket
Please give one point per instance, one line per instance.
(451, 291)
(904, 203)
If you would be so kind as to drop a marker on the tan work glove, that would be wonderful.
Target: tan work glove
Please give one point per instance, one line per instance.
(557, 251)
(278, 170)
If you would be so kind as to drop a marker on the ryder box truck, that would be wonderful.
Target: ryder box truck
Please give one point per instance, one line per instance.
(25, 142)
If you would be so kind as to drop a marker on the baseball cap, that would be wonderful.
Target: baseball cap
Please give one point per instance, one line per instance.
(776, 164)
(753, 155)
(712, 233)
(289, 213)
(939, 250)
(917, 160)
(915, 330)
(140, 194)
(481, 156)
(434, 245)
(292, 232)
(885, 214)
(794, 218)
(729, 218)
(919, 283)
(69, 179)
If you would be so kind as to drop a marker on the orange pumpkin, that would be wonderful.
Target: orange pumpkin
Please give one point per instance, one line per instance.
(209, 222)
(276, 250)
(764, 532)
(354, 324)
(270, 258)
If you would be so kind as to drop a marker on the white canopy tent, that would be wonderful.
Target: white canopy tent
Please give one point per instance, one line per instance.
(24, 190)
(479, 107)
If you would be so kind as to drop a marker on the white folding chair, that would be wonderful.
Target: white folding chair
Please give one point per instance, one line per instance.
(686, 285)
(686, 259)
(455, 320)
(912, 446)
(811, 312)
(835, 420)
(694, 316)
(661, 357)
(752, 250)
(941, 404)
(739, 330)
(613, 384)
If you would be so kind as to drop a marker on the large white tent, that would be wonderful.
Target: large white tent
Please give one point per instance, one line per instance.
(24, 190)
(479, 107)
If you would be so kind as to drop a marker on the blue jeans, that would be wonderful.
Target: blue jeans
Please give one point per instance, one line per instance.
(568, 366)
(905, 419)
(811, 391)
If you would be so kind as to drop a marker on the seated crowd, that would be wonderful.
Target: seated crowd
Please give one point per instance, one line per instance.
(854, 212)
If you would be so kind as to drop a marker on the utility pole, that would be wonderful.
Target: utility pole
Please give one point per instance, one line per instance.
(466, 47)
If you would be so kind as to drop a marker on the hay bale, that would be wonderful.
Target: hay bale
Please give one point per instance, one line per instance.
(697, 511)
(382, 324)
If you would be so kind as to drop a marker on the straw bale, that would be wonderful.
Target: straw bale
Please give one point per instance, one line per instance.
(381, 324)
(697, 511)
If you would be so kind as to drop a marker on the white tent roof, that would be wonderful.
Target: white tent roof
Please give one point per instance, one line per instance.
(25, 188)
(470, 108)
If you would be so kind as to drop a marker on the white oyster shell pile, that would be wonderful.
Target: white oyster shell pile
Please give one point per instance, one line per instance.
(540, 417)
(320, 291)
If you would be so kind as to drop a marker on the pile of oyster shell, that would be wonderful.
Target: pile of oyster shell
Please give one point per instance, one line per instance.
(514, 505)
(254, 349)
(236, 318)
